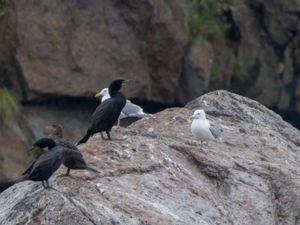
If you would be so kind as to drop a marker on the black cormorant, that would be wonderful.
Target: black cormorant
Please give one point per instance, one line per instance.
(107, 113)
(73, 159)
(130, 109)
(43, 167)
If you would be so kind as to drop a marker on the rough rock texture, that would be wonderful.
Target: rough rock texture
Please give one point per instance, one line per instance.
(73, 48)
(13, 155)
(155, 172)
(259, 52)
(17, 138)
(77, 47)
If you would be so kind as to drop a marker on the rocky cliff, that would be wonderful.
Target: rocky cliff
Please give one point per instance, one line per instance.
(174, 50)
(155, 172)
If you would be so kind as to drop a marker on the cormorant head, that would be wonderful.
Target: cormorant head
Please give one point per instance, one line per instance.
(198, 114)
(56, 130)
(115, 86)
(45, 142)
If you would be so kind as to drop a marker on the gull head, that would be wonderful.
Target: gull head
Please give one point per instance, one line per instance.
(198, 114)
(103, 94)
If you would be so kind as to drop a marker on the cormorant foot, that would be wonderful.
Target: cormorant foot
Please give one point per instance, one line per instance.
(64, 175)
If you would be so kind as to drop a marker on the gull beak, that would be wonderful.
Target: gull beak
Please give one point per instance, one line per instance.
(98, 95)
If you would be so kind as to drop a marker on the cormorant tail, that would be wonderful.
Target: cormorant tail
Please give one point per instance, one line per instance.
(92, 169)
(7, 184)
(84, 139)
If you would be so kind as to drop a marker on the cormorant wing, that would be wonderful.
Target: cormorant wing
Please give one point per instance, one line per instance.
(68, 145)
(63, 142)
(47, 163)
(105, 115)
(29, 168)
(74, 159)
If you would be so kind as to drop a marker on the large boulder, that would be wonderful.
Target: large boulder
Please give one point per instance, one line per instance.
(74, 48)
(156, 172)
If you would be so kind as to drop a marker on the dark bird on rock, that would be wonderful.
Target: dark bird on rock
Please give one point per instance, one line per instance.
(43, 167)
(73, 159)
(107, 113)
(129, 110)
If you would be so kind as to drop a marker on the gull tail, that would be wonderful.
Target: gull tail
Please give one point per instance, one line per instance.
(84, 139)
(7, 184)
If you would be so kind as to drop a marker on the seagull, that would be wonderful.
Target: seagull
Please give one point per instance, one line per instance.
(129, 110)
(201, 127)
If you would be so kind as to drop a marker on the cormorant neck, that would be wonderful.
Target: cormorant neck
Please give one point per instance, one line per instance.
(112, 92)
(59, 134)
(51, 146)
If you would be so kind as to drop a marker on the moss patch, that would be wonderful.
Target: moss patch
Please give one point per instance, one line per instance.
(4, 4)
(9, 106)
(207, 18)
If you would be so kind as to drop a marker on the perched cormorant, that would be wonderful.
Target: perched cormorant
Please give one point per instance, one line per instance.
(129, 110)
(107, 113)
(73, 159)
(201, 127)
(43, 167)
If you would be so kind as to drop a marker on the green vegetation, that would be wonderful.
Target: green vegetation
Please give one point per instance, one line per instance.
(207, 19)
(214, 74)
(3, 7)
(9, 106)
(239, 71)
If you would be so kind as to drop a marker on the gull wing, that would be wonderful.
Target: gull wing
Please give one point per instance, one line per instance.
(215, 131)
(132, 110)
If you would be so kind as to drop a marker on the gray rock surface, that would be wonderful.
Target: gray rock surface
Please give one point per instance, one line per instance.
(78, 47)
(155, 172)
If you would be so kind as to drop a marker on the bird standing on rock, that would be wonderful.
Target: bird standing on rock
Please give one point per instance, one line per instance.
(73, 159)
(107, 113)
(201, 127)
(129, 110)
(43, 167)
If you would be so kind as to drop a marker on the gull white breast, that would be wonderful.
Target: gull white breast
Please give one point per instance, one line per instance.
(201, 127)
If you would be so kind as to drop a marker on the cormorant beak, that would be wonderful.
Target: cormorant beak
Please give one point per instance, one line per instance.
(29, 150)
(127, 81)
(51, 129)
(192, 117)
(98, 95)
